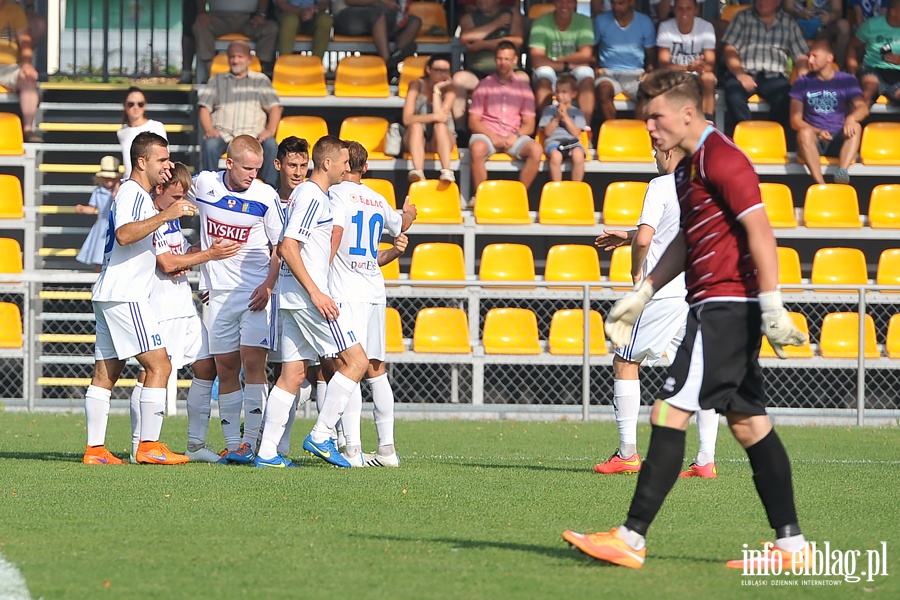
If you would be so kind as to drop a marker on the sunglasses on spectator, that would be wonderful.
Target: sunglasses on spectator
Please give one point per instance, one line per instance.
(131, 104)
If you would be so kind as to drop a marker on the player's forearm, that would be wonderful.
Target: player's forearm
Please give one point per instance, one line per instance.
(138, 230)
(26, 51)
(205, 118)
(274, 268)
(273, 118)
(388, 255)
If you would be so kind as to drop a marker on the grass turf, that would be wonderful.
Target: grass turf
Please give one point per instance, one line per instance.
(475, 511)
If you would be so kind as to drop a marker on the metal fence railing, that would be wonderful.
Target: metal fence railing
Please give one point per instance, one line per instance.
(54, 364)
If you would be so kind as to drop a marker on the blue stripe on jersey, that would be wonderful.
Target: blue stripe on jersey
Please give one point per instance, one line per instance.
(172, 227)
(238, 205)
(306, 223)
(136, 211)
(324, 222)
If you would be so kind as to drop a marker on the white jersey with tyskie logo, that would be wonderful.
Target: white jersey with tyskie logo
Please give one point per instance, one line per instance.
(128, 272)
(365, 215)
(252, 217)
(171, 296)
(662, 212)
(309, 222)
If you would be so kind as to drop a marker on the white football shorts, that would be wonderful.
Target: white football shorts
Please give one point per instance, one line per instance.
(125, 329)
(658, 333)
(370, 326)
(186, 339)
(307, 335)
(231, 324)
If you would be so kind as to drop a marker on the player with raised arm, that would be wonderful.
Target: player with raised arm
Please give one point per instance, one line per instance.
(234, 205)
(361, 215)
(313, 325)
(660, 328)
(126, 322)
(728, 253)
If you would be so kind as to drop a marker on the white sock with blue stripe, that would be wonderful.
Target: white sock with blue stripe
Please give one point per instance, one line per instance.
(383, 399)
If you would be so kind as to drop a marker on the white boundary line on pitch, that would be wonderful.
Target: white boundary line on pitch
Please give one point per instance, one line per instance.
(12, 584)
(813, 461)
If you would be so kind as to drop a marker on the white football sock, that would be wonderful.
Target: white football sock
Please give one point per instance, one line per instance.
(96, 414)
(337, 395)
(284, 446)
(230, 414)
(277, 408)
(198, 411)
(634, 540)
(351, 419)
(153, 409)
(254, 407)
(627, 402)
(321, 386)
(793, 543)
(135, 409)
(708, 431)
(383, 399)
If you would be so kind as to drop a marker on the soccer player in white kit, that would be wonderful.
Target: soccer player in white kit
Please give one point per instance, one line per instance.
(126, 323)
(234, 205)
(313, 324)
(660, 329)
(357, 285)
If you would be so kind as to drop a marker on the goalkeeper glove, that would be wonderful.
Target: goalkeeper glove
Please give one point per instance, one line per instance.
(624, 314)
(777, 324)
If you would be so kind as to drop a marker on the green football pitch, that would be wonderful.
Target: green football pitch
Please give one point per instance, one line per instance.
(475, 511)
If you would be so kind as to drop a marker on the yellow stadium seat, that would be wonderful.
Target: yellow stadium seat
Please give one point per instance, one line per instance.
(368, 131)
(433, 16)
(762, 141)
(889, 267)
(436, 202)
(299, 75)
(506, 262)
(10, 326)
(730, 10)
(566, 203)
(620, 267)
(11, 139)
(10, 256)
(884, 207)
(393, 331)
(892, 345)
(510, 331)
(624, 140)
(789, 267)
(839, 266)
(539, 10)
(779, 204)
(307, 127)
(804, 351)
(622, 203)
(442, 330)
(437, 260)
(392, 269)
(220, 65)
(385, 188)
(572, 262)
(11, 202)
(501, 202)
(879, 144)
(831, 205)
(413, 68)
(567, 333)
(584, 138)
(840, 336)
(361, 77)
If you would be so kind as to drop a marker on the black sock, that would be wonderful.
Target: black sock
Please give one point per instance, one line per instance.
(659, 472)
(772, 476)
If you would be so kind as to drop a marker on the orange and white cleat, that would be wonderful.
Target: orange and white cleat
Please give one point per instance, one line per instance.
(617, 464)
(608, 547)
(707, 471)
(157, 453)
(99, 455)
(770, 559)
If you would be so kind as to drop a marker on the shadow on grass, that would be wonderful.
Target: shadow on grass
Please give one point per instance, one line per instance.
(46, 456)
(529, 467)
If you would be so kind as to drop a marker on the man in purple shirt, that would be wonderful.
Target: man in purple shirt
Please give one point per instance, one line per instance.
(502, 118)
(827, 107)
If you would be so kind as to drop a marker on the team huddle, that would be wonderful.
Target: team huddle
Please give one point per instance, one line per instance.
(290, 276)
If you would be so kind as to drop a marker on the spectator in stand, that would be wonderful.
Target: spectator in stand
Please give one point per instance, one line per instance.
(626, 42)
(466, 7)
(663, 10)
(428, 118)
(879, 38)
(17, 73)
(688, 43)
(481, 30)
(188, 44)
(239, 102)
(107, 180)
(827, 107)
(864, 10)
(502, 119)
(758, 46)
(134, 121)
(385, 20)
(248, 17)
(822, 19)
(562, 42)
(305, 17)
(562, 126)
(37, 23)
